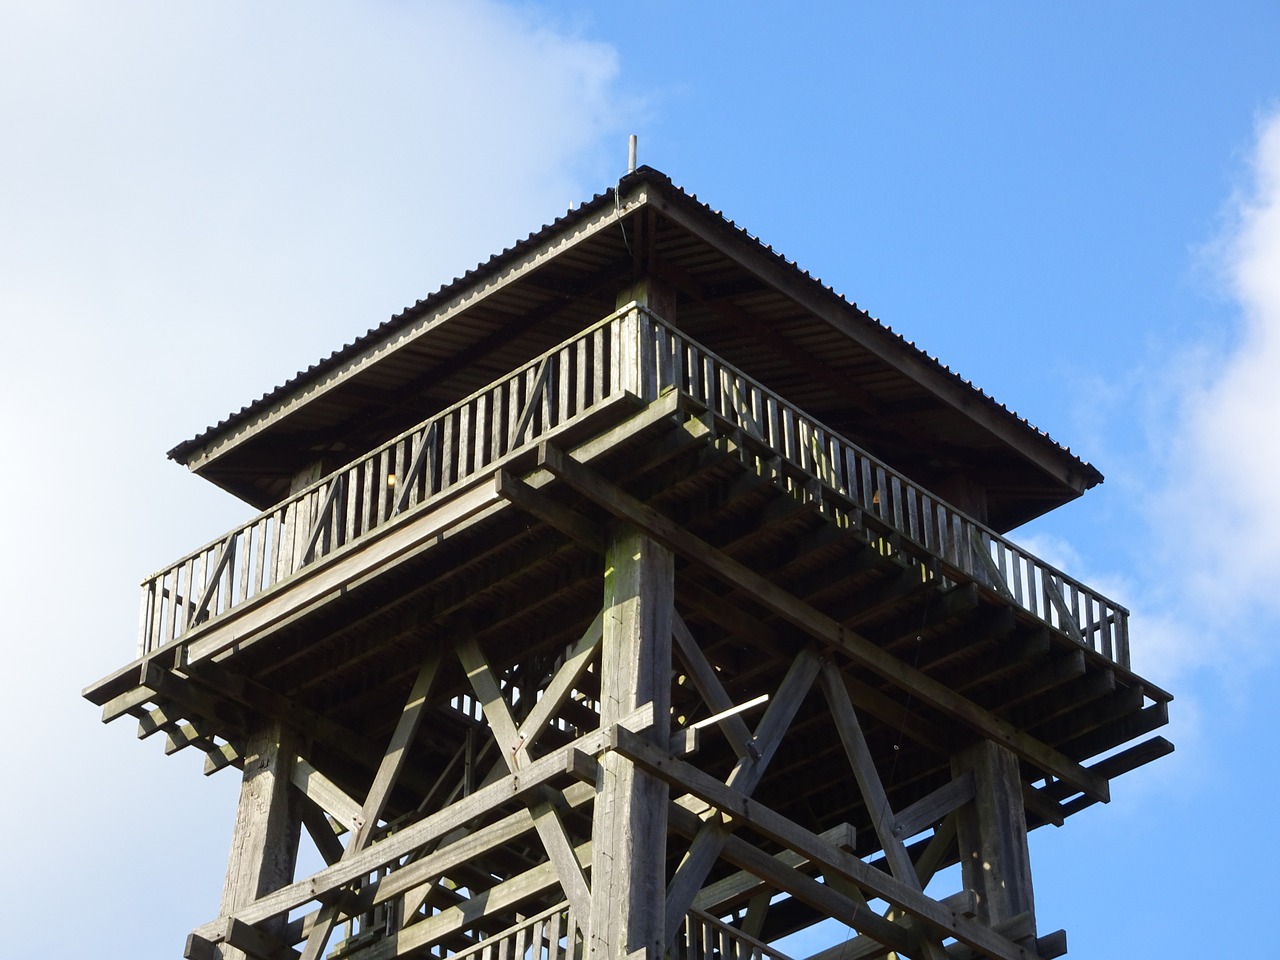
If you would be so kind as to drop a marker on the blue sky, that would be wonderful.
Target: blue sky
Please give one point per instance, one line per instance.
(1076, 207)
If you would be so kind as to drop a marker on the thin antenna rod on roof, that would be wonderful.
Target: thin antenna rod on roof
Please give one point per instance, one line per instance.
(631, 154)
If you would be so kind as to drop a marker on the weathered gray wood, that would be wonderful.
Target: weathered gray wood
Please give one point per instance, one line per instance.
(207, 676)
(746, 775)
(781, 830)
(818, 625)
(866, 947)
(502, 896)
(883, 820)
(550, 511)
(535, 257)
(466, 846)
(823, 897)
(710, 688)
(324, 793)
(992, 832)
(325, 517)
(515, 754)
(222, 756)
(380, 790)
(323, 832)
(933, 807)
(629, 828)
(562, 684)
(317, 584)
(719, 896)
(873, 793)
(417, 835)
(264, 846)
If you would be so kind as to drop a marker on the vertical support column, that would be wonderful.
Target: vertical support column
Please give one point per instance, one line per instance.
(992, 833)
(646, 362)
(629, 831)
(293, 539)
(264, 847)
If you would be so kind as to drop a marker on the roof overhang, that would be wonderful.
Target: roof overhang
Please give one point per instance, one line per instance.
(739, 297)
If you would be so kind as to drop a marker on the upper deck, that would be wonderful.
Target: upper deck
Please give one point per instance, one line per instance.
(463, 508)
(485, 524)
(630, 355)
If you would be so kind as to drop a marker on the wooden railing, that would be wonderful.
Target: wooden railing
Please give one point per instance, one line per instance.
(703, 937)
(904, 517)
(392, 480)
(553, 934)
(630, 351)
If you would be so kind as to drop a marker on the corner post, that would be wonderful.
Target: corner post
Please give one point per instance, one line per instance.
(642, 373)
(264, 847)
(995, 862)
(629, 830)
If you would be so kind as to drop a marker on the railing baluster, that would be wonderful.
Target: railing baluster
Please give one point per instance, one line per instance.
(548, 391)
(145, 615)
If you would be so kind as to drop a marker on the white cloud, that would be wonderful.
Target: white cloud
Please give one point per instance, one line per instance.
(195, 201)
(1203, 582)
(1220, 514)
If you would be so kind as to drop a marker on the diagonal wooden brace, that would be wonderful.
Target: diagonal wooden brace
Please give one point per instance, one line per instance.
(823, 628)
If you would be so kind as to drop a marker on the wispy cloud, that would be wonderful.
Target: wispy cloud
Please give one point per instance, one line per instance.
(1208, 576)
(195, 202)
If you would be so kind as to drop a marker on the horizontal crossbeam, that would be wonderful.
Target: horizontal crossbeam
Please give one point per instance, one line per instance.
(781, 602)
(781, 830)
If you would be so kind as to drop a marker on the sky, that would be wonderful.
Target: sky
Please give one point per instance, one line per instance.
(1077, 207)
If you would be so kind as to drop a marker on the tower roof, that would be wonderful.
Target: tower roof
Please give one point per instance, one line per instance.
(734, 293)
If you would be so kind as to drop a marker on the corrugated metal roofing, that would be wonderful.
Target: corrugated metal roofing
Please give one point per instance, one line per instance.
(450, 290)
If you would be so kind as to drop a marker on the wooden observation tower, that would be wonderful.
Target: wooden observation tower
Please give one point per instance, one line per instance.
(635, 595)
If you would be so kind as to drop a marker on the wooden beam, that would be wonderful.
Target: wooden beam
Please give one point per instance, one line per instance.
(992, 832)
(869, 948)
(417, 835)
(554, 514)
(324, 794)
(546, 818)
(851, 736)
(712, 691)
(823, 897)
(921, 686)
(731, 890)
(501, 897)
(264, 847)
(745, 777)
(629, 827)
(235, 687)
(579, 657)
(379, 791)
(779, 829)
(933, 807)
(873, 793)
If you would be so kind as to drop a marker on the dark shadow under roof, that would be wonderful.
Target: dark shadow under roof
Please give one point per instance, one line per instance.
(735, 294)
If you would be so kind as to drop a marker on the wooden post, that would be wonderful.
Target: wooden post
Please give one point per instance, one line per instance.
(297, 523)
(642, 373)
(628, 882)
(652, 293)
(992, 833)
(264, 847)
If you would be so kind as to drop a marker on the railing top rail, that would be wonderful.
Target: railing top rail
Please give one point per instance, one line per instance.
(889, 471)
(287, 536)
(304, 492)
(746, 939)
(487, 943)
